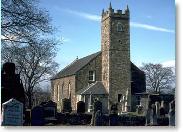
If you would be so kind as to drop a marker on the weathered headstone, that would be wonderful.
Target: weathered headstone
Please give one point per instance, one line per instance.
(140, 109)
(148, 116)
(98, 118)
(81, 107)
(114, 109)
(162, 112)
(113, 120)
(12, 113)
(153, 116)
(66, 105)
(97, 106)
(172, 114)
(37, 117)
(50, 109)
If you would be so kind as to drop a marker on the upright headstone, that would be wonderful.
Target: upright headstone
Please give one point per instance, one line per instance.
(98, 118)
(172, 113)
(37, 117)
(50, 109)
(114, 109)
(162, 109)
(12, 113)
(81, 107)
(148, 116)
(139, 109)
(153, 116)
(97, 106)
(66, 105)
(157, 104)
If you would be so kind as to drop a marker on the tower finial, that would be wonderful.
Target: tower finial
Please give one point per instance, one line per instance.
(102, 11)
(110, 6)
(127, 8)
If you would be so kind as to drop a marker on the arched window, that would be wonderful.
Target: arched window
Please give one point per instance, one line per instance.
(69, 89)
(119, 27)
(58, 93)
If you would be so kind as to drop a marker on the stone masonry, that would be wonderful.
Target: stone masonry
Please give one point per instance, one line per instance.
(115, 43)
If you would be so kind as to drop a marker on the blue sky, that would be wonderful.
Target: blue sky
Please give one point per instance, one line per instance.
(152, 28)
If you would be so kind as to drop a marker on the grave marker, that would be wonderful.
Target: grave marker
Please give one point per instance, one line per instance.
(12, 112)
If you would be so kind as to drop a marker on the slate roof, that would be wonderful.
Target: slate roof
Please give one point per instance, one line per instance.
(75, 66)
(95, 88)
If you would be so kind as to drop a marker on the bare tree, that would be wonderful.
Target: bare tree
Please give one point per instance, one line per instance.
(22, 19)
(27, 41)
(35, 63)
(158, 78)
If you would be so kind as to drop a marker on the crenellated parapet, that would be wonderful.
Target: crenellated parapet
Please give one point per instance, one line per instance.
(110, 12)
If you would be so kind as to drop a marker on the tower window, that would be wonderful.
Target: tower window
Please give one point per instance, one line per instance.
(91, 75)
(119, 27)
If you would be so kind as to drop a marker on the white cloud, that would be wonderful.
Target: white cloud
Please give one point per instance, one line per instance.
(97, 18)
(149, 17)
(170, 63)
(150, 27)
(64, 39)
(85, 15)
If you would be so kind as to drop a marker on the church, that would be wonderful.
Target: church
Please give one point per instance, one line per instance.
(107, 75)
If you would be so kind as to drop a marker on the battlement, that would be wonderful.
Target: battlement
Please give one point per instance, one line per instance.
(115, 13)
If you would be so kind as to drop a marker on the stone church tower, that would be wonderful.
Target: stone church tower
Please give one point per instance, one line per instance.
(115, 44)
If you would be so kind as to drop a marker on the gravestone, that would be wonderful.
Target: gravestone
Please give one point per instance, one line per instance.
(98, 118)
(172, 114)
(153, 116)
(11, 85)
(37, 117)
(97, 106)
(157, 104)
(66, 105)
(50, 109)
(12, 113)
(114, 109)
(140, 109)
(148, 116)
(81, 107)
(113, 120)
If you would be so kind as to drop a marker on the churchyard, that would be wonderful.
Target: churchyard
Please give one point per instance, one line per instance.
(46, 114)
(154, 110)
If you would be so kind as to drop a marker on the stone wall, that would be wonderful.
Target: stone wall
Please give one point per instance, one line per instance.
(116, 65)
(82, 76)
(64, 84)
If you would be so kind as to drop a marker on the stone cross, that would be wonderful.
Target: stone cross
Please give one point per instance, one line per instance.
(12, 113)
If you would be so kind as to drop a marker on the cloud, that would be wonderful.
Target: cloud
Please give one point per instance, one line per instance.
(170, 63)
(64, 39)
(150, 27)
(88, 16)
(97, 18)
(149, 17)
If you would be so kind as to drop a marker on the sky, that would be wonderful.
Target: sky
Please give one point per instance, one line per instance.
(152, 28)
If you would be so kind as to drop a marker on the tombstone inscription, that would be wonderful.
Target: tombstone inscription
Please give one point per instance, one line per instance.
(12, 112)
